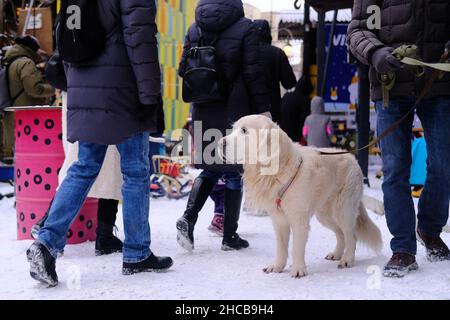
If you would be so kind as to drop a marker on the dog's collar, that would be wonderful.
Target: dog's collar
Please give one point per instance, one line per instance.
(286, 187)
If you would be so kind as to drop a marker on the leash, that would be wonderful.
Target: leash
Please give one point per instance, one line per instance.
(438, 68)
(286, 187)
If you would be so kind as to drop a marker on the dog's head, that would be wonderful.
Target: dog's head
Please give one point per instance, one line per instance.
(255, 141)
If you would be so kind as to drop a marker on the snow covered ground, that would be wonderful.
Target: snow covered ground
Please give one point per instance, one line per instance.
(210, 273)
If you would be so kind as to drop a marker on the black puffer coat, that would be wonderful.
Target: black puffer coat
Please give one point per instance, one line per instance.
(277, 68)
(237, 53)
(425, 23)
(295, 107)
(111, 98)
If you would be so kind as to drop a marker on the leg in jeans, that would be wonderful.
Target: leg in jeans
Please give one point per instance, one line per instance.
(434, 202)
(71, 196)
(135, 168)
(396, 154)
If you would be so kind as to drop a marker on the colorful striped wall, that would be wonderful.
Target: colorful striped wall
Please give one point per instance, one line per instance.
(174, 18)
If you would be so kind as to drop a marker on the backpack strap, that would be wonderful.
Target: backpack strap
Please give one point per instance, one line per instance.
(202, 40)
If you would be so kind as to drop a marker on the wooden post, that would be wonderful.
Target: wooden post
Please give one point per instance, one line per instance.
(363, 121)
(2, 16)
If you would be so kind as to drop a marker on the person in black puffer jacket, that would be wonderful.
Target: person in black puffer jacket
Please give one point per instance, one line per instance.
(237, 50)
(295, 107)
(277, 68)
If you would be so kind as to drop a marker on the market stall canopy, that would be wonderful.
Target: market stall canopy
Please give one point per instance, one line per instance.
(297, 16)
(327, 5)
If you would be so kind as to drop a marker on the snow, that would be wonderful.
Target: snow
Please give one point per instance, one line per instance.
(209, 273)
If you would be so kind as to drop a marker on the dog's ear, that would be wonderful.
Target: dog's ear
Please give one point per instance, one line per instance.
(269, 145)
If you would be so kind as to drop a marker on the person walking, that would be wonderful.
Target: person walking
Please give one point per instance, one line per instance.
(277, 69)
(318, 130)
(223, 24)
(295, 107)
(425, 24)
(107, 186)
(110, 110)
(26, 85)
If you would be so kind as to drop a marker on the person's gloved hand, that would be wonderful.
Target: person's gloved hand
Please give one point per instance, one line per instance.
(150, 110)
(384, 62)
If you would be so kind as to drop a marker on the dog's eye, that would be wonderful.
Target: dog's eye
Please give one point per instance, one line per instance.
(244, 130)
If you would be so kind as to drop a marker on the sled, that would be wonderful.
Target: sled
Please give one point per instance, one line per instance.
(171, 177)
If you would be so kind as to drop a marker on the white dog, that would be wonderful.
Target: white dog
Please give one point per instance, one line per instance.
(293, 183)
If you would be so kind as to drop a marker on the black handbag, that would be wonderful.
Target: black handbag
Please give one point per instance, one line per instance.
(202, 81)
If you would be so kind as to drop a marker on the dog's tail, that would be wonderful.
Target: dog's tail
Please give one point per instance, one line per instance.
(367, 231)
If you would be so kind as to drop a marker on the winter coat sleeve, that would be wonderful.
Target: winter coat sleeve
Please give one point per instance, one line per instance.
(140, 31)
(287, 76)
(253, 73)
(361, 40)
(32, 80)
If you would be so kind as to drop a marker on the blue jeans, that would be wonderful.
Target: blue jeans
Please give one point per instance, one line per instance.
(81, 176)
(433, 213)
(233, 180)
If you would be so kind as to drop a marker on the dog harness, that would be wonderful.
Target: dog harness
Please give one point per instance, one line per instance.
(286, 187)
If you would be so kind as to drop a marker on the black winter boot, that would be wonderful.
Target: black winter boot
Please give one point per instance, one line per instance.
(42, 264)
(106, 242)
(200, 192)
(232, 208)
(151, 264)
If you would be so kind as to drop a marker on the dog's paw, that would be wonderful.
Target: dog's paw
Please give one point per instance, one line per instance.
(274, 268)
(333, 257)
(299, 272)
(346, 263)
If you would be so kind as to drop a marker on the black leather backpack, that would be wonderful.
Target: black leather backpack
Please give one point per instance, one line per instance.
(202, 81)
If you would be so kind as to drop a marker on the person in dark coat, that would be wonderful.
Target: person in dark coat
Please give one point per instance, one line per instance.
(112, 100)
(223, 24)
(426, 24)
(277, 68)
(295, 107)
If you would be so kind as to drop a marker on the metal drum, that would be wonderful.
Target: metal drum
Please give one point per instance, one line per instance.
(39, 156)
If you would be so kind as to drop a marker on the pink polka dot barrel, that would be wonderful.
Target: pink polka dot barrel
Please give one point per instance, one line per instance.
(39, 155)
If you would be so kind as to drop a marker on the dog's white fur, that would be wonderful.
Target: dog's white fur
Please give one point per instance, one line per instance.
(331, 187)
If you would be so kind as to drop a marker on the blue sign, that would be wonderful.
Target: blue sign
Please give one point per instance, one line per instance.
(341, 90)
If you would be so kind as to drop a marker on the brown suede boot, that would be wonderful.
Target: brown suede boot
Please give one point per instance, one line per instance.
(437, 250)
(400, 265)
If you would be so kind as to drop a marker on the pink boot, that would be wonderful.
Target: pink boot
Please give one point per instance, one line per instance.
(217, 225)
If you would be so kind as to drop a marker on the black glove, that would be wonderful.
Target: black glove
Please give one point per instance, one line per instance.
(384, 62)
(147, 111)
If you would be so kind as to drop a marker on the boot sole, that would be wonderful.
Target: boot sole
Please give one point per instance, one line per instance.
(182, 236)
(99, 253)
(215, 231)
(401, 274)
(228, 248)
(37, 269)
(131, 271)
